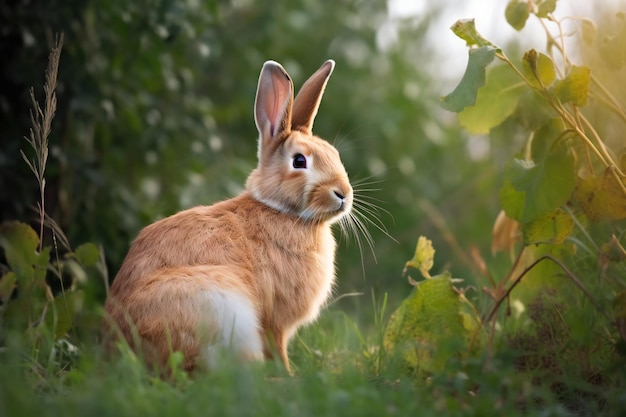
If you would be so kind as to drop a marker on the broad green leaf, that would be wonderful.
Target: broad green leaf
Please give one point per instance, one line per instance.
(544, 139)
(496, 101)
(423, 258)
(465, 93)
(20, 242)
(546, 185)
(87, 254)
(511, 200)
(538, 69)
(553, 228)
(65, 306)
(466, 30)
(545, 7)
(601, 198)
(517, 13)
(575, 87)
(431, 325)
(7, 285)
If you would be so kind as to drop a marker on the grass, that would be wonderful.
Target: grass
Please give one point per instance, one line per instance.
(337, 375)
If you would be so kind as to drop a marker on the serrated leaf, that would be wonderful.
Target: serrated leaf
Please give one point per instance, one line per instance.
(545, 7)
(431, 325)
(495, 101)
(65, 307)
(517, 13)
(87, 254)
(538, 69)
(466, 30)
(601, 198)
(575, 87)
(552, 228)
(474, 77)
(423, 258)
(19, 242)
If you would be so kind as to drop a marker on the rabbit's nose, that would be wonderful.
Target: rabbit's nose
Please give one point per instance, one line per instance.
(339, 194)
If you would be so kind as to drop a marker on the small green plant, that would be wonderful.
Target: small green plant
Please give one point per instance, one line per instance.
(40, 294)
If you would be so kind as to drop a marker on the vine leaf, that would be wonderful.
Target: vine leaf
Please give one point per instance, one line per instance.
(495, 101)
(575, 87)
(474, 77)
(546, 184)
(516, 13)
(538, 69)
(601, 198)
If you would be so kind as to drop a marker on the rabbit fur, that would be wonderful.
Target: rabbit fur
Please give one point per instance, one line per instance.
(242, 275)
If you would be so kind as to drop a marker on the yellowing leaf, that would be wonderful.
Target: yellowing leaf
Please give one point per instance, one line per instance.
(495, 101)
(575, 87)
(553, 228)
(466, 30)
(7, 285)
(504, 234)
(538, 69)
(544, 7)
(424, 257)
(517, 13)
(601, 198)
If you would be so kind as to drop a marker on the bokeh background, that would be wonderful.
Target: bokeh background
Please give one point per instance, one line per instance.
(155, 115)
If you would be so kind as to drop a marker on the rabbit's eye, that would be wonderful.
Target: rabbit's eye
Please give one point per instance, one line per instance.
(299, 161)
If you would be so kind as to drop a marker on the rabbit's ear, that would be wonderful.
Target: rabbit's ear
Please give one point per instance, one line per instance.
(309, 97)
(274, 98)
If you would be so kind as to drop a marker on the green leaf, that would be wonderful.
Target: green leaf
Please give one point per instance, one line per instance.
(465, 92)
(517, 13)
(546, 181)
(423, 258)
(20, 243)
(546, 185)
(87, 254)
(431, 325)
(496, 101)
(511, 200)
(538, 69)
(552, 228)
(7, 285)
(544, 7)
(63, 313)
(575, 87)
(466, 30)
(544, 139)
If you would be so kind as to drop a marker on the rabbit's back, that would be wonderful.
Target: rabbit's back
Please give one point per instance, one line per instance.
(232, 253)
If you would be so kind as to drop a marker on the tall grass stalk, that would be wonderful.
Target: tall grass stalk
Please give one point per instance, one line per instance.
(41, 119)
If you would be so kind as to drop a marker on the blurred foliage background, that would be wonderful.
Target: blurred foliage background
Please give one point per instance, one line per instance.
(155, 115)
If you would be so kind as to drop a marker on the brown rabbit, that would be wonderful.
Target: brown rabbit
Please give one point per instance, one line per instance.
(243, 274)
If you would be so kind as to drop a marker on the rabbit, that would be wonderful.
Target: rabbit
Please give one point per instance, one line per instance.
(243, 274)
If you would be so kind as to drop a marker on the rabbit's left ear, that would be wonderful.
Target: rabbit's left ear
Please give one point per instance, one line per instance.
(309, 97)
(272, 107)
